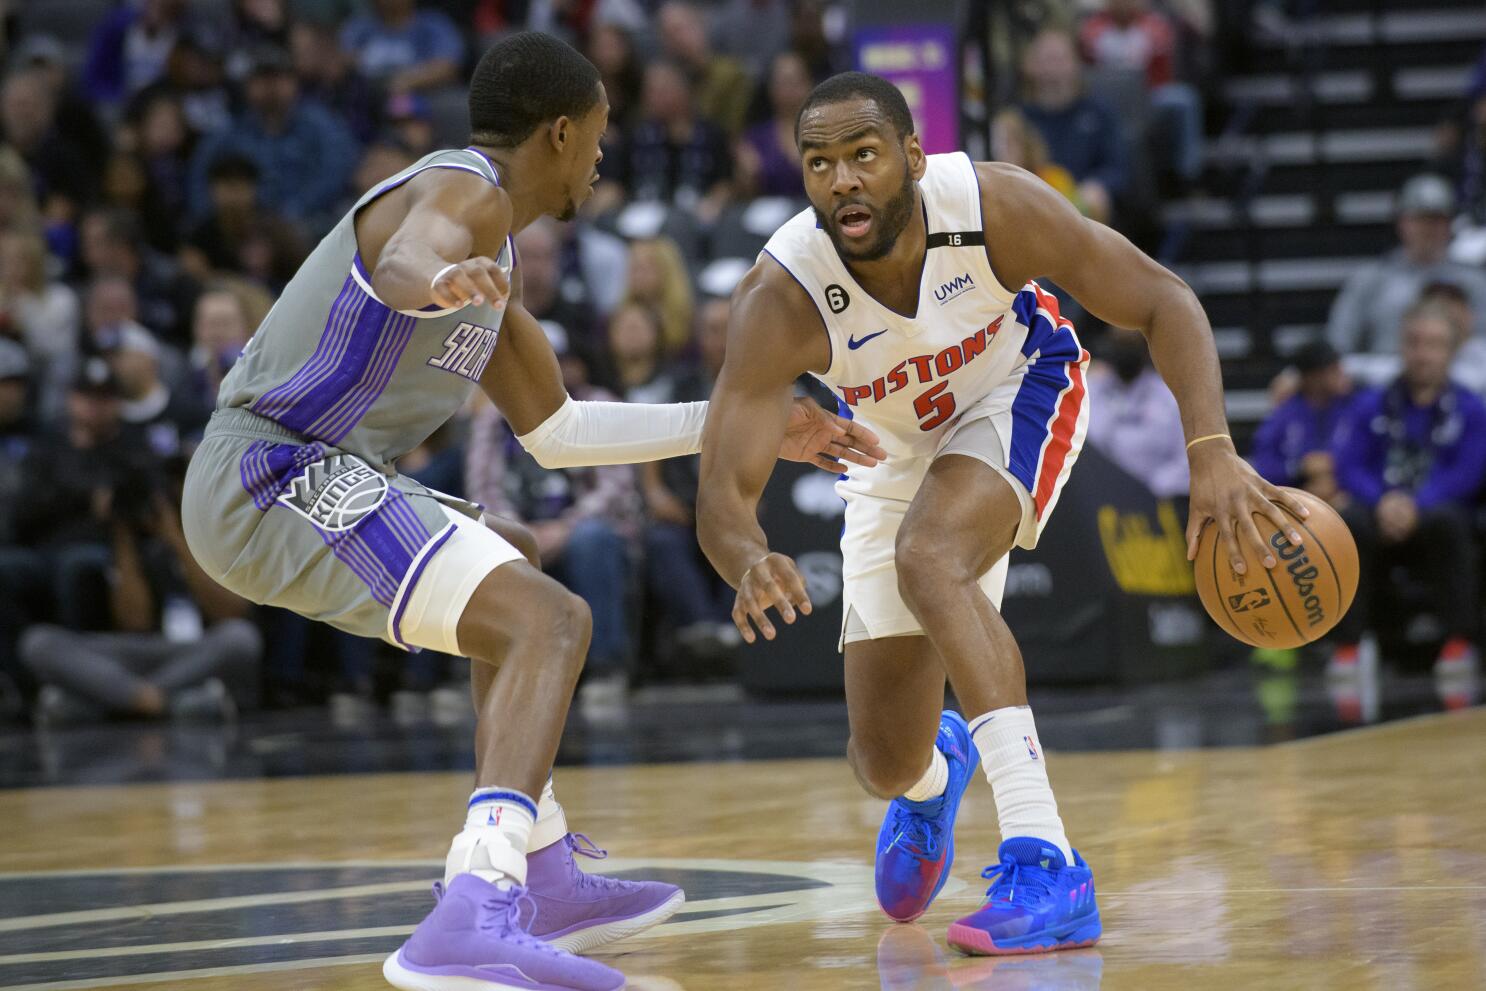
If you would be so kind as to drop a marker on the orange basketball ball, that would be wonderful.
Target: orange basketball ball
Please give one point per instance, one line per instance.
(1297, 601)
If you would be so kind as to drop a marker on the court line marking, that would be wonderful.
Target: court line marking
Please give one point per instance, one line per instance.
(277, 865)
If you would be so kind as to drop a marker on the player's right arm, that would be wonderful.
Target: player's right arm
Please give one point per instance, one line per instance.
(776, 334)
(442, 250)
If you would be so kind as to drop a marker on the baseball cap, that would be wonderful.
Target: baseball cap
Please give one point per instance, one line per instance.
(15, 363)
(1427, 194)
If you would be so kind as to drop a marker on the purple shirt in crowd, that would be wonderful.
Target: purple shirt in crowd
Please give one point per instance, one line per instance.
(1293, 430)
(1384, 432)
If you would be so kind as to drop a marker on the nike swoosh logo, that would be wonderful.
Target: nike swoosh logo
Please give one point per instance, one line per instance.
(853, 343)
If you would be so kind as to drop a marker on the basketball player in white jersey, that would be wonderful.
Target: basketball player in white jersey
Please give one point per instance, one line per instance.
(909, 291)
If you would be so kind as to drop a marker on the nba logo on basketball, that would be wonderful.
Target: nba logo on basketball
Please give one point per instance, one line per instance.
(1031, 748)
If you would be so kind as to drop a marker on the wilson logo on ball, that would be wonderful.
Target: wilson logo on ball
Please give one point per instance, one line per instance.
(1303, 575)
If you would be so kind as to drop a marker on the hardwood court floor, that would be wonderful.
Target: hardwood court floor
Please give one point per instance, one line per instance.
(1355, 861)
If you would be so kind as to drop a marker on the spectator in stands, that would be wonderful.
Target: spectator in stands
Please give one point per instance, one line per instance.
(213, 241)
(658, 281)
(539, 251)
(220, 329)
(302, 152)
(17, 196)
(410, 122)
(1129, 35)
(256, 23)
(196, 76)
(22, 569)
(719, 84)
(595, 266)
(754, 32)
(1139, 426)
(71, 480)
(612, 49)
(47, 56)
(1015, 141)
(1368, 312)
(404, 49)
(62, 177)
(109, 310)
(112, 244)
(131, 46)
(328, 74)
(1410, 459)
(1082, 133)
(162, 142)
(168, 420)
(685, 589)
(672, 156)
(40, 313)
(584, 521)
(176, 638)
(1293, 445)
(636, 350)
(768, 160)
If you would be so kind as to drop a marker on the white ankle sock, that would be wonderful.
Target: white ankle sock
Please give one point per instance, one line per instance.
(552, 822)
(1012, 757)
(934, 781)
(496, 832)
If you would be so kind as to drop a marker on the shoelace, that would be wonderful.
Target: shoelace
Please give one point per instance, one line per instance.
(921, 828)
(580, 844)
(1018, 883)
(504, 915)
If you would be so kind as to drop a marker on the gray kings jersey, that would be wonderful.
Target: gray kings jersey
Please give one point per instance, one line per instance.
(333, 363)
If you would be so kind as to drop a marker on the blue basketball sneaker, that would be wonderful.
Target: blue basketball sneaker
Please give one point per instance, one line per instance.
(1038, 902)
(916, 844)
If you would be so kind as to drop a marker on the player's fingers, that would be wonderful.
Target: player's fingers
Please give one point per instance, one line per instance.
(463, 288)
(855, 455)
(1288, 499)
(1250, 535)
(486, 288)
(1281, 521)
(794, 584)
(1230, 544)
(827, 463)
(756, 612)
(1195, 523)
(774, 595)
(864, 440)
(740, 620)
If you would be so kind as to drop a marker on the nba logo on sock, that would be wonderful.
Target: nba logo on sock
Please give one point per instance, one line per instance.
(1031, 748)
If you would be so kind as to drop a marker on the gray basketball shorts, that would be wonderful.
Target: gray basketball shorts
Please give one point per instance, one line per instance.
(322, 532)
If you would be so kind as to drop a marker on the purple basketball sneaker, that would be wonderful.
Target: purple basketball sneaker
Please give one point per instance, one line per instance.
(916, 844)
(476, 939)
(1037, 902)
(579, 912)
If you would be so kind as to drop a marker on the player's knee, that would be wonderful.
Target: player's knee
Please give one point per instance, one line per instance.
(923, 563)
(568, 627)
(883, 771)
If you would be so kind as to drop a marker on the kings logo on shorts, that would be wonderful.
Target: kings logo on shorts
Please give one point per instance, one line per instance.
(336, 493)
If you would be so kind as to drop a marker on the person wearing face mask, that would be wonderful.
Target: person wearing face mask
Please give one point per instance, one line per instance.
(1138, 426)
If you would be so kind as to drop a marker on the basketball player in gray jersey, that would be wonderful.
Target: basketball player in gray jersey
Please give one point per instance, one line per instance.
(293, 499)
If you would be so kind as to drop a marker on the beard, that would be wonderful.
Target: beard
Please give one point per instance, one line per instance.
(891, 221)
(568, 212)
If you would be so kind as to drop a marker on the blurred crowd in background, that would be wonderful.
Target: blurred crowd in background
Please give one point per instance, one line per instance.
(163, 173)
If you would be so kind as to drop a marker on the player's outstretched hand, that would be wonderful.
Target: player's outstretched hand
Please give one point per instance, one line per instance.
(820, 437)
(477, 280)
(1226, 490)
(772, 583)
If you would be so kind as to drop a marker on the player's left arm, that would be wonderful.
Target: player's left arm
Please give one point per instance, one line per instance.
(1124, 287)
(525, 383)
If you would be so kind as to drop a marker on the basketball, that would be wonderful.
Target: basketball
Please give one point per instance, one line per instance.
(1296, 602)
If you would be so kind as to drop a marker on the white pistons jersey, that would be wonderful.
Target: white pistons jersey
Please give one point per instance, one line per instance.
(913, 379)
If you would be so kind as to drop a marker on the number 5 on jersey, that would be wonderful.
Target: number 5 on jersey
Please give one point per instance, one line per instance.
(934, 407)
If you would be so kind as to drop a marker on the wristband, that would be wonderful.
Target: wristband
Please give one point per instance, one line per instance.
(1199, 440)
(440, 274)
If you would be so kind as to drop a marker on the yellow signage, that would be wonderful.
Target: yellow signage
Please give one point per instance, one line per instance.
(1145, 562)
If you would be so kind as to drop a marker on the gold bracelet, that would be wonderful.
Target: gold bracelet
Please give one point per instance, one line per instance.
(1199, 440)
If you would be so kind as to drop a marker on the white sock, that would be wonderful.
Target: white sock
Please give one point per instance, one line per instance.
(1012, 757)
(493, 844)
(552, 822)
(933, 783)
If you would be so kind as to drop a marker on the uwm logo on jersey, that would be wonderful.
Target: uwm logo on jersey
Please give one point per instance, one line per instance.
(957, 286)
(467, 351)
(922, 369)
